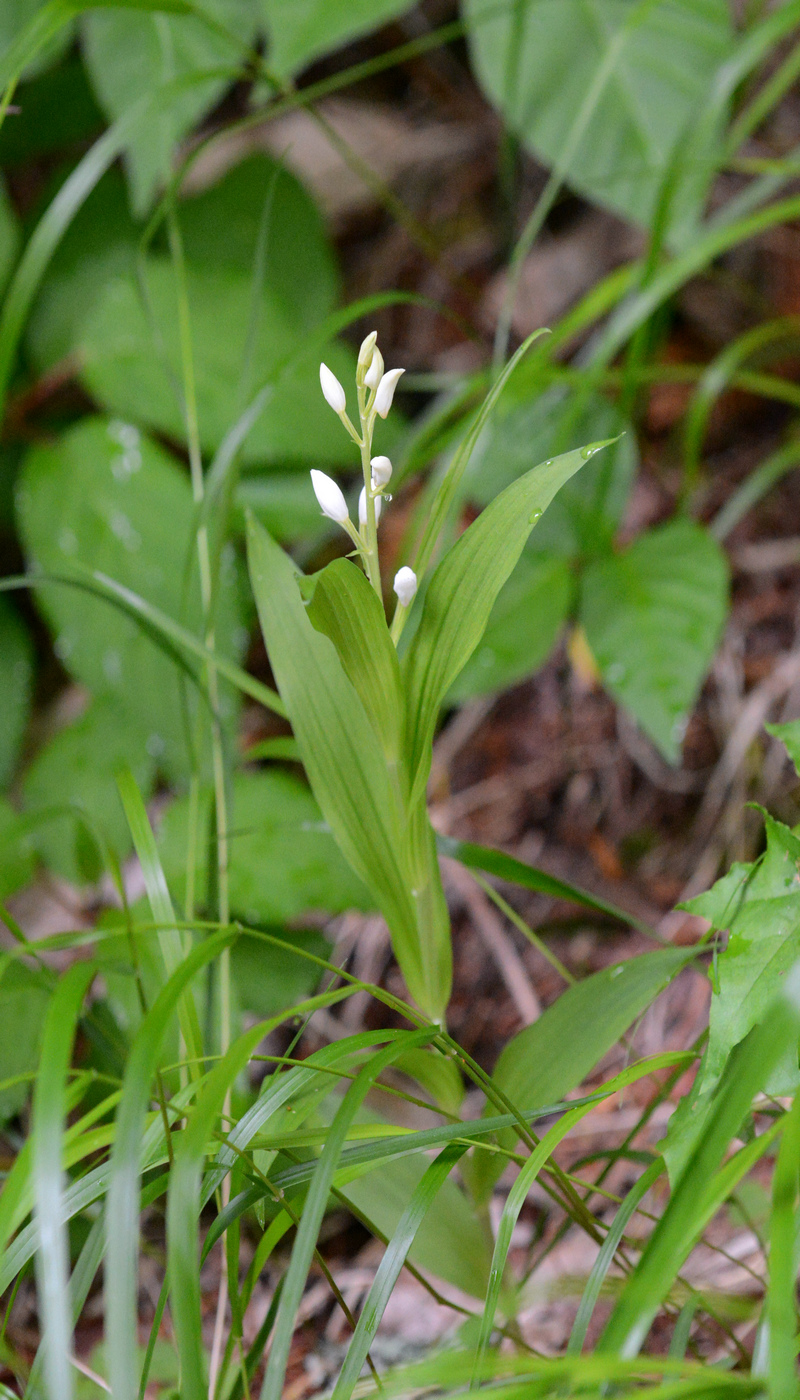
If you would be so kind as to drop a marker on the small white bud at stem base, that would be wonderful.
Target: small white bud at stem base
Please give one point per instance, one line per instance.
(385, 394)
(405, 585)
(381, 471)
(332, 390)
(329, 495)
(362, 507)
(374, 374)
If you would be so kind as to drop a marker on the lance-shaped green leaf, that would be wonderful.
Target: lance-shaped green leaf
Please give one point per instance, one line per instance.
(462, 592)
(345, 608)
(341, 754)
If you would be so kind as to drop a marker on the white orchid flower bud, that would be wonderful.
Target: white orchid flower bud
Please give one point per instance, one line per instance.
(329, 495)
(332, 390)
(374, 374)
(367, 347)
(386, 388)
(405, 583)
(362, 507)
(381, 471)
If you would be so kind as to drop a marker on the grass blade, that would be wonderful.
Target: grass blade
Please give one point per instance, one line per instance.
(782, 1295)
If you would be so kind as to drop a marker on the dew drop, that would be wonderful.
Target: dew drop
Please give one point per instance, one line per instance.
(532, 519)
(587, 452)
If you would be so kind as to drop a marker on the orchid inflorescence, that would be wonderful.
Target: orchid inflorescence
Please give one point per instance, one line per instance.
(375, 388)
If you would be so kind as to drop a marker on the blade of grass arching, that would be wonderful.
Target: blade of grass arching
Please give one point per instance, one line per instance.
(530, 877)
(314, 1209)
(605, 1257)
(391, 1265)
(47, 1128)
(183, 1213)
(676, 1231)
(755, 487)
(782, 1293)
(173, 948)
(161, 629)
(518, 1194)
(122, 1205)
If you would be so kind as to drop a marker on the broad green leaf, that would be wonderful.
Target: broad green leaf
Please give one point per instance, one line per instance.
(346, 768)
(615, 83)
(16, 680)
(523, 627)
(105, 497)
(76, 770)
(302, 30)
(9, 236)
(24, 998)
(653, 616)
(282, 503)
(129, 54)
(547, 1059)
(132, 364)
(759, 905)
(789, 734)
(283, 860)
(16, 852)
(57, 112)
(462, 593)
(345, 608)
(529, 425)
(99, 244)
(223, 225)
(449, 1243)
(268, 978)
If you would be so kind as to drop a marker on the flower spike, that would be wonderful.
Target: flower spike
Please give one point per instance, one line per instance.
(332, 389)
(329, 495)
(405, 584)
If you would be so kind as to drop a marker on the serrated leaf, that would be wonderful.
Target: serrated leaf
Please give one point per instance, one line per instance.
(634, 74)
(653, 616)
(105, 497)
(75, 772)
(462, 593)
(530, 425)
(129, 54)
(16, 680)
(759, 905)
(301, 30)
(347, 770)
(283, 860)
(131, 363)
(523, 627)
(345, 608)
(547, 1059)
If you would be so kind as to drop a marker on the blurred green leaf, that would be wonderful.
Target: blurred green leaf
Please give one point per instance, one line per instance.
(789, 734)
(76, 769)
(130, 356)
(523, 627)
(643, 69)
(221, 228)
(283, 860)
(653, 616)
(105, 497)
(269, 978)
(449, 1243)
(16, 852)
(284, 504)
(302, 30)
(16, 683)
(57, 111)
(15, 15)
(98, 245)
(759, 906)
(9, 235)
(544, 1061)
(24, 999)
(530, 425)
(129, 54)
